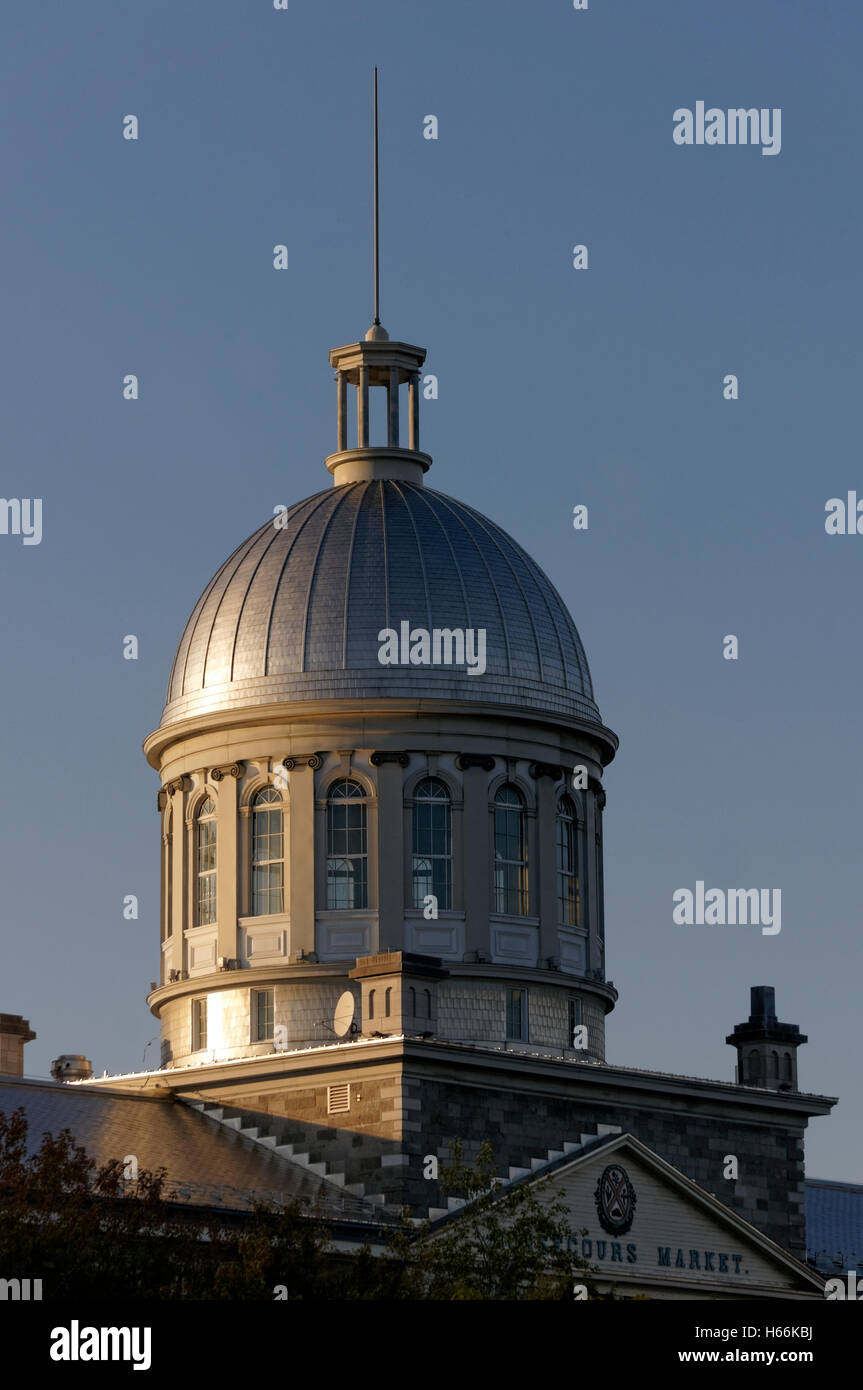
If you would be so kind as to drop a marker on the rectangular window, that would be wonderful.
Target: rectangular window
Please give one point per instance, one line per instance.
(576, 1017)
(516, 1015)
(199, 1025)
(262, 1015)
(432, 845)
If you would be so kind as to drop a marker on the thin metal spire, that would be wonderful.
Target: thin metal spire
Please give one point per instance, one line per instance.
(376, 236)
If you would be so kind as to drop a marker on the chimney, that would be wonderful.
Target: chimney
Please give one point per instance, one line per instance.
(15, 1031)
(766, 1048)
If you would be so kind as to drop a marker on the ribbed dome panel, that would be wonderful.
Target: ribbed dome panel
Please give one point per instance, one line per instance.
(295, 612)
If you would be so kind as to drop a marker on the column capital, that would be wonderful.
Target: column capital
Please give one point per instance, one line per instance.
(465, 761)
(387, 756)
(226, 770)
(552, 770)
(312, 760)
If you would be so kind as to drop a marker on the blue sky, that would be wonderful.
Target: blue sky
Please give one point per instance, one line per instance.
(556, 387)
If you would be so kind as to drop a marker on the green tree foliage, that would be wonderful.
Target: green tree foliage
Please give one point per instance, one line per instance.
(87, 1232)
(505, 1245)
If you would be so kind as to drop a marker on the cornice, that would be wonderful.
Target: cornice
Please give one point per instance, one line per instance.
(480, 1066)
(300, 712)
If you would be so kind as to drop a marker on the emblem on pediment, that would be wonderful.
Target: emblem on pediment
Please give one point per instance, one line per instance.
(615, 1200)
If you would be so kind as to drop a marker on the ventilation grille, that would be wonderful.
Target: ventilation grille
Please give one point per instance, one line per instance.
(338, 1099)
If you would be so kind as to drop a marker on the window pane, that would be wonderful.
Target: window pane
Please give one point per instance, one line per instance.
(432, 843)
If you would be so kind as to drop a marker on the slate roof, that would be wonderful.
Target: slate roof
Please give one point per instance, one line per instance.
(834, 1225)
(208, 1166)
(295, 612)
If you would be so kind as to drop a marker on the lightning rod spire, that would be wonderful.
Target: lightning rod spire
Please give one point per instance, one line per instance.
(376, 202)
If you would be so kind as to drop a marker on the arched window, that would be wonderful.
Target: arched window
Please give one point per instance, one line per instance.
(413, 1001)
(754, 1066)
(428, 1003)
(347, 846)
(268, 854)
(205, 863)
(510, 852)
(786, 1066)
(432, 844)
(568, 887)
(387, 1000)
(774, 1066)
(371, 1003)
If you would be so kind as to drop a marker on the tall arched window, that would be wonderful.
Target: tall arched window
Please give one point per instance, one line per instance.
(205, 863)
(510, 852)
(268, 853)
(568, 887)
(347, 846)
(774, 1066)
(754, 1066)
(388, 999)
(432, 844)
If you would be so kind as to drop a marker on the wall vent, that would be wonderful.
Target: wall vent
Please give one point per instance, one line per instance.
(339, 1099)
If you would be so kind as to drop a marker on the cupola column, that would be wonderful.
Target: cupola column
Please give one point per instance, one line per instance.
(363, 408)
(393, 409)
(343, 411)
(414, 410)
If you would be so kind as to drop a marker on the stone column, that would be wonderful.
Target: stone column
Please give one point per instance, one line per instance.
(363, 409)
(546, 875)
(414, 410)
(226, 858)
(301, 857)
(342, 412)
(588, 883)
(477, 884)
(179, 879)
(393, 409)
(390, 840)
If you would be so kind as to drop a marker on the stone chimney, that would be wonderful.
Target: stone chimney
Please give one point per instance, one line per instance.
(15, 1031)
(766, 1048)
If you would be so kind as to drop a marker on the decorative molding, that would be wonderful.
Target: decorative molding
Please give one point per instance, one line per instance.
(161, 799)
(464, 761)
(377, 759)
(552, 770)
(178, 785)
(312, 760)
(245, 811)
(226, 770)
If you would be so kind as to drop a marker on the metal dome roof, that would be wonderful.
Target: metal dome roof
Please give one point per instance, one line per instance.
(294, 614)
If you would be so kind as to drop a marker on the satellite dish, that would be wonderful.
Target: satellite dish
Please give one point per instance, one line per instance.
(344, 1015)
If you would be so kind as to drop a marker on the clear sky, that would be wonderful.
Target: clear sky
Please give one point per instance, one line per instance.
(601, 386)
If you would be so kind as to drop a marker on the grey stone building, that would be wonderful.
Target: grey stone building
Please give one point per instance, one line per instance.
(382, 923)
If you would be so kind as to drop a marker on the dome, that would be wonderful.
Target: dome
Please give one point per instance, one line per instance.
(295, 613)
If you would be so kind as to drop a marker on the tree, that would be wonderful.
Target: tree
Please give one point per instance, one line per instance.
(501, 1245)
